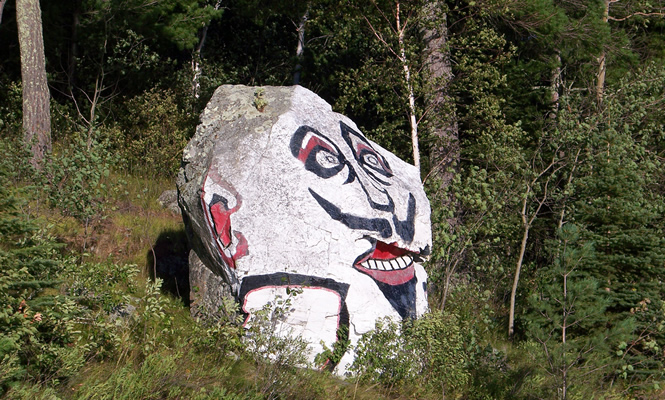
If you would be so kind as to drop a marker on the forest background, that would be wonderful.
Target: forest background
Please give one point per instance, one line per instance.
(538, 127)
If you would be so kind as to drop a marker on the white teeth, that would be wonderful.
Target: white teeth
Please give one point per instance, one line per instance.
(394, 264)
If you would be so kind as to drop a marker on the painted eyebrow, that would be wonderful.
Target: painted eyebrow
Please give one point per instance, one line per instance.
(299, 136)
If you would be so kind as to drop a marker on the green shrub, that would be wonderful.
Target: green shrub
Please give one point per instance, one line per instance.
(277, 352)
(11, 109)
(220, 333)
(162, 375)
(427, 354)
(101, 285)
(153, 133)
(75, 176)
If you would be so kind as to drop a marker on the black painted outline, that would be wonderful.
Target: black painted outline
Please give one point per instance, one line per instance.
(380, 225)
(401, 297)
(278, 279)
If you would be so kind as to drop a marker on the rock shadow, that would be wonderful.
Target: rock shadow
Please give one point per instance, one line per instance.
(168, 260)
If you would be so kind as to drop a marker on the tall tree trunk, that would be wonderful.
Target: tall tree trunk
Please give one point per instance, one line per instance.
(36, 111)
(300, 49)
(409, 87)
(445, 148)
(600, 75)
(73, 46)
(197, 69)
(445, 152)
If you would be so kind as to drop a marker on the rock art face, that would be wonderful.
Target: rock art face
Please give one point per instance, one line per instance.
(295, 196)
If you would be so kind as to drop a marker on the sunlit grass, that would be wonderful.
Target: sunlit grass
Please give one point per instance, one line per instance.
(155, 350)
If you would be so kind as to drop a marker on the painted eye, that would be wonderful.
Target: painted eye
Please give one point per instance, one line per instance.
(372, 160)
(374, 163)
(319, 154)
(326, 159)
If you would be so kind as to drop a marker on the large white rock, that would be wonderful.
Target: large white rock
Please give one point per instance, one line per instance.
(295, 196)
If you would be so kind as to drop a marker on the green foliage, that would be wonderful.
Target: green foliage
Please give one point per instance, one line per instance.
(277, 351)
(340, 347)
(622, 215)
(36, 324)
(75, 176)
(222, 333)
(11, 111)
(102, 286)
(427, 354)
(152, 134)
(495, 165)
(565, 325)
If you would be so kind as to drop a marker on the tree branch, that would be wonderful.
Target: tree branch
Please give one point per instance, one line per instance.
(641, 14)
(378, 36)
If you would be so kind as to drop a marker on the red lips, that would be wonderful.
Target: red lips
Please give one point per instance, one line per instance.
(387, 264)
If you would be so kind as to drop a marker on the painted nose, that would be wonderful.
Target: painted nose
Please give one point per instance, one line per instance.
(379, 199)
(376, 193)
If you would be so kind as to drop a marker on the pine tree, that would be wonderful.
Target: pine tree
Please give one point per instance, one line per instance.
(36, 96)
(620, 210)
(27, 266)
(574, 350)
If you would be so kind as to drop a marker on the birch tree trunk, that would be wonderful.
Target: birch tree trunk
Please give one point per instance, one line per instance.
(197, 69)
(36, 111)
(300, 49)
(409, 87)
(600, 75)
(400, 54)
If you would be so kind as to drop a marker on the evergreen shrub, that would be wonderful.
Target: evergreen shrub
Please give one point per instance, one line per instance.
(36, 322)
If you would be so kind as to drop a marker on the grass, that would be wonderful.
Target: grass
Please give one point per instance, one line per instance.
(122, 334)
(156, 351)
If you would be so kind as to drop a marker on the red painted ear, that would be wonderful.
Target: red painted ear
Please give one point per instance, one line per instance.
(221, 218)
(242, 248)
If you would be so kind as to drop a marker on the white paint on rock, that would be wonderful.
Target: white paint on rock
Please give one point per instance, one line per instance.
(312, 314)
(310, 202)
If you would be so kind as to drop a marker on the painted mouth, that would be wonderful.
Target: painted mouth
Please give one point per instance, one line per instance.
(387, 263)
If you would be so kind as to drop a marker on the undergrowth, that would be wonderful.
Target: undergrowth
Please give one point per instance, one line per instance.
(84, 313)
(94, 305)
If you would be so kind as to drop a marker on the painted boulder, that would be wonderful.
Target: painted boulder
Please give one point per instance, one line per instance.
(279, 192)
